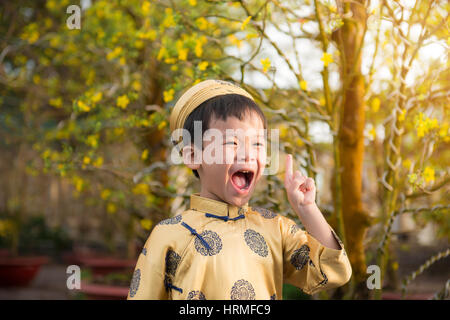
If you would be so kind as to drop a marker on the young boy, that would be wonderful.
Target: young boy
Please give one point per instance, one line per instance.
(221, 248)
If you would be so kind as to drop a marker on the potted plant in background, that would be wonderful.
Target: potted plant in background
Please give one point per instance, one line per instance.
(26, 245)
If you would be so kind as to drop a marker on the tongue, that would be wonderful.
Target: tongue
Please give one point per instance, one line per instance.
(239, 180)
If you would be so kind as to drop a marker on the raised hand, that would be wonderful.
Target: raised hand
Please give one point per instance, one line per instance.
(301, 190)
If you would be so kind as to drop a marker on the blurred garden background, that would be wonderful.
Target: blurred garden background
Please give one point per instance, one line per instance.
(359, 91)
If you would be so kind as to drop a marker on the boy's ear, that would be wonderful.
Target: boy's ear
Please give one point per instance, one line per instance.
(189, 157)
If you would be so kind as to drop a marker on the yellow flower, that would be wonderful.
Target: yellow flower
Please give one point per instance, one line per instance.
(283, 131)
(168, 95)
(78, 182)
(322, 101)
(136, 85)
(83, 107)
(234, 40)
(144, 154)
(407, 163)
(92, 141)
(169, 20)
(90, 77)
(97, 97)
(146, 224)
(202, 23)
(36, 79)
(122, 61)
(412, 178)
(114, 54)
(327, 58)
(428, 174)
(375, 104)
(146, 7)
(98, 162)
(199, 46)
(105, 194)
(193, 2)
(395, 265)
(111, 208)
(170, 60)
(118, 131)
(303, 85)
(432, 123)
(162, 124)
(424, 124)
(401, 116)
(203, 65)
(139, 44)
(372, 133)
(86, 160)
(183, 53)
(443, 131)
(245, 22)
(123, 101)
(141, 188)
(56, 102)
(31, 33)
(266, 64)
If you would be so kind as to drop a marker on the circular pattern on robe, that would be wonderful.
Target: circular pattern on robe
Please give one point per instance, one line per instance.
(144, 251)
(242, 290)
(196, 295)
(173, 220)
(213, 241)
(256, 242)
(265, 212)
(172, 261)
(273, 297)
(135, 280)
(300, 257)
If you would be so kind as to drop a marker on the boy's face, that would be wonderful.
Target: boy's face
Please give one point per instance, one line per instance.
(243, 147)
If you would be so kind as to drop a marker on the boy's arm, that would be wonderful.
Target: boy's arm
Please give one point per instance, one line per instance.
(301, 193)
(315, 223)
(149, 274)
(314, 260)
(310, 265)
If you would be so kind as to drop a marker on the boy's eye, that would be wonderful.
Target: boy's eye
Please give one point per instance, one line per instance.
(259, 144)
(231, 142)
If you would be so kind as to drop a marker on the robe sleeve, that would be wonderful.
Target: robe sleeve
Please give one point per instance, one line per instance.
(149, 274)
(308, 264)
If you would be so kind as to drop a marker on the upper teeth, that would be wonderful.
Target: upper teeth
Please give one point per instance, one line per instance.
(245, 171)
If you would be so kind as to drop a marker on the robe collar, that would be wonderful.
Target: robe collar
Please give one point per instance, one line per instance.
(215, 207)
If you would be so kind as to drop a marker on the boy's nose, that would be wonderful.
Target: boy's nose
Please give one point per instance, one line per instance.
(246, 153)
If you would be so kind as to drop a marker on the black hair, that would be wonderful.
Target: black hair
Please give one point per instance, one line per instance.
(221, 107)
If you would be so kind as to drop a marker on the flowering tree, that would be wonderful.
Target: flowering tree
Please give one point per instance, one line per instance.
(93, 104)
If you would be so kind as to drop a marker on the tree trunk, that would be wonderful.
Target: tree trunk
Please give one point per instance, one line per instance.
(349, 38)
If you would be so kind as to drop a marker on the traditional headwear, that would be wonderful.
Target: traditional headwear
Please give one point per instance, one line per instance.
(198, 94)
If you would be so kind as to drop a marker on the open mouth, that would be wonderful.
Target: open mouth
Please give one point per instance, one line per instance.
(242, 179)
